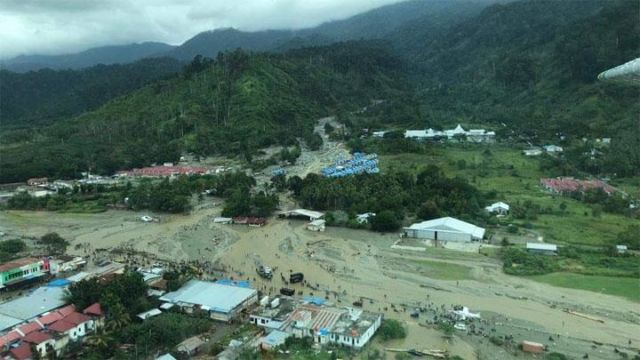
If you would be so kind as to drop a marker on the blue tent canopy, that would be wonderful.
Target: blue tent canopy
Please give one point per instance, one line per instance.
(59, 283)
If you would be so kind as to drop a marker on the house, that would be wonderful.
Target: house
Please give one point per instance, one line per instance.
(74, 326)
(166, 356)
(43, 342)
(532, 347)
(532, 152)
(553, 149)
(364, 218)
(445, 229)
(191, 346)
(274, 339)
(325, 324)
(223, 301)
(38, 181)
(21, 352)
(542, 248)
(149, 314)
(222, 220)
(378, 134)
(66, 263)
(499, 208)
(621, 249)
(316, 225)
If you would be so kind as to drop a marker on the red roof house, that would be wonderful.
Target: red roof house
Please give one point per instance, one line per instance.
(22, 352)
(29, 328)
(9, 338)
(62, 326)
(37, 337)
(67, 310)
(50, 318)
(94, 310)
(76, 318)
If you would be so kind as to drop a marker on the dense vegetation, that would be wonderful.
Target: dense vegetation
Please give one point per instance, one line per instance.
(10, 249)
(41, 97)
(392, 196)
(234, 104)
(579, 260)
(532, 66)
(172, 196)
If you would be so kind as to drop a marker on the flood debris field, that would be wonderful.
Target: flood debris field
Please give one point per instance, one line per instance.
(347, 265)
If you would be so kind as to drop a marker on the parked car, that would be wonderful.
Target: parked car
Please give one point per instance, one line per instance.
(287, 292)
(265, 272)
(296, 278)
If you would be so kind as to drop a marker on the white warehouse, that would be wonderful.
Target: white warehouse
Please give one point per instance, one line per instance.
(445, 229)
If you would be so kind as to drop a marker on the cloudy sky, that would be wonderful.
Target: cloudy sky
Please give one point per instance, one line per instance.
(63, 26)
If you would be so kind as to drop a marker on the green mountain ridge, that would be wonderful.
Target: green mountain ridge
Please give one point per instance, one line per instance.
(234, 104)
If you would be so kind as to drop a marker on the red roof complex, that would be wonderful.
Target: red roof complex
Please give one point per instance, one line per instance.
(67, 310)
(568, 185)
(159, 171)
(50, 318)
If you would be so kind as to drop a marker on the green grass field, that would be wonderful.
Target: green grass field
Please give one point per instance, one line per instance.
(516, 178)
(619, 286)
(443, 271)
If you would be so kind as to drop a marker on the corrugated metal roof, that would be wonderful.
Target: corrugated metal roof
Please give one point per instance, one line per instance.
(542, 246)
(451, 223)
(41, 300)
(216, 297)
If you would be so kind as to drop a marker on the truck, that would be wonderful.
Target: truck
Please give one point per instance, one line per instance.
(265, 272)
(296, 277)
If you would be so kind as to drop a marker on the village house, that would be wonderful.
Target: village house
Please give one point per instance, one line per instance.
(38, 182)
(553, 149)
(317, 225)
(532, 152)
(445, 229)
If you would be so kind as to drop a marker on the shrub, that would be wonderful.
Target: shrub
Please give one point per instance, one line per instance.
(392, 329)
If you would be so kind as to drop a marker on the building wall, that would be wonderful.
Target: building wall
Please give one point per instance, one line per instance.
(29, 271)
(441, 235)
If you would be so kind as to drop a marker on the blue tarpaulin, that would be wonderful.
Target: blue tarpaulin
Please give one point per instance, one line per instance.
(314, 300)
(59, 283)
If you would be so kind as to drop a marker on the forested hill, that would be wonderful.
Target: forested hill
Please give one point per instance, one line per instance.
(234, 104)
(38, 98)
(532, 65)
(118, 54)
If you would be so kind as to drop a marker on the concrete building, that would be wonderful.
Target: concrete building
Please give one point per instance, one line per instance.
(222, 301)
(445, 229)
(542, 248)
(325, 324)
(473, 135)
(24, 269)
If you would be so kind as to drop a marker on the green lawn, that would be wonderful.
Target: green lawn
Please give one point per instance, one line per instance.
(619, 286)
(516, 178)
(442, 271)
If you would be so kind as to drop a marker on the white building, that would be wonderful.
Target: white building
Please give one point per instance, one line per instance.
(498, 208)
(364, 218)
(325, 324)
(473, 135)
(553, 149)
(532, 152)
(316, 225)
(222, 301)
(542, 248)
(445, 229)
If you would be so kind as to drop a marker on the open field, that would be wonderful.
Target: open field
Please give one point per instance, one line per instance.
(620, 286)
(442, 270)
(347, 265)
(516, 178)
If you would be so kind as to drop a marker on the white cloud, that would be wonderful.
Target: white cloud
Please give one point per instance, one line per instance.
(63, 26)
